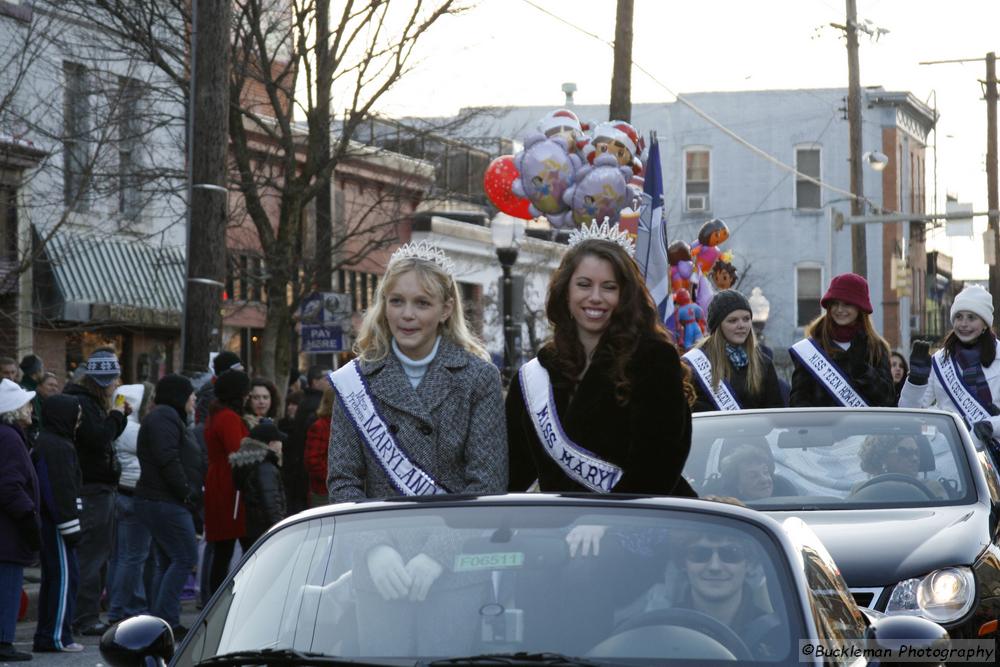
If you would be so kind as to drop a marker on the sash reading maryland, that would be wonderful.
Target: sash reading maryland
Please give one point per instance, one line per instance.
(950, 377)
(722, 396)
(827, 373)
(405, 475)
(578, 463)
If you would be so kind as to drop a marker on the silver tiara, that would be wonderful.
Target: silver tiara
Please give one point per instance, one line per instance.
(426, 251)
(603, 232)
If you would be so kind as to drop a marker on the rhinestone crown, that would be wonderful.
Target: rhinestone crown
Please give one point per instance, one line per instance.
(426, 251)
(604, 231)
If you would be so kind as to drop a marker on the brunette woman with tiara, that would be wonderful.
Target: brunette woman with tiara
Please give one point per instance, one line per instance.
(603, 408)
(731, 371)
(609, 376)
(418, 412)
(842, 361)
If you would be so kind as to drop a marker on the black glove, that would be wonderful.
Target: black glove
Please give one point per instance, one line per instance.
(993, 409)
(920, 362)
(27, 528)
(983, 430)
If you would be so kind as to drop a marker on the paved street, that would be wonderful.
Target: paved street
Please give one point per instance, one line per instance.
(90, 656)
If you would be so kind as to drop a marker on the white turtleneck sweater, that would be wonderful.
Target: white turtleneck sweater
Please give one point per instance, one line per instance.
(415, 369)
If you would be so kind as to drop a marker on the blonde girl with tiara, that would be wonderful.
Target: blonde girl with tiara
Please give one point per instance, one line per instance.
(418, 412)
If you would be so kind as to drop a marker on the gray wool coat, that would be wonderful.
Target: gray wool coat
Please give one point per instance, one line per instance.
(452, 426)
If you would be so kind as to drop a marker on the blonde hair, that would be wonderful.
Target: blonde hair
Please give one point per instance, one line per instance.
(375, 339)
(21, 415)
(714, 347)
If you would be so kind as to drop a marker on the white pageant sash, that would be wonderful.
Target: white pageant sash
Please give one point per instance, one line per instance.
(950, 377)
(579, 464)
(722, 396)
(354, 395)
(827, 373)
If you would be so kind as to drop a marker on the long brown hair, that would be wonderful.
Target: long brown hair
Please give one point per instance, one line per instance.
(714, 347)
(634, 319)
(822, 330)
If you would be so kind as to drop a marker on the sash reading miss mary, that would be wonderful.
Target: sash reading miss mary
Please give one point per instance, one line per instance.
(950, 377)
(827, 373)
(579, 464)
(354, 395)
(722, 396)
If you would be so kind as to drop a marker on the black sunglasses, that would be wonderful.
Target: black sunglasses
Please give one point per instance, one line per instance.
(728, 553)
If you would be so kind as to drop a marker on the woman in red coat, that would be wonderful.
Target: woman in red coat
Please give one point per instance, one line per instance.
(317, 448)
(224, 515)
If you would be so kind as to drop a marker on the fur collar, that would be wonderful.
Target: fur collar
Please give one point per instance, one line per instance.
(252, 452)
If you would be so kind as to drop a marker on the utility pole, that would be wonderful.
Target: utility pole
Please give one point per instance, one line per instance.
(991, 175)
(324, 203)
(992, 195)
(621, 74)
(208, 144)
(859, 248)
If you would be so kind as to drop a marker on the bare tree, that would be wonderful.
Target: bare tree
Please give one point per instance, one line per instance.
(278, 160)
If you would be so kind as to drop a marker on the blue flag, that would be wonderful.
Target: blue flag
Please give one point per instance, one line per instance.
(651, 241)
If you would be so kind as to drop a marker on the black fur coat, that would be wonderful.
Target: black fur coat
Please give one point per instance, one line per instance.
(649, 437)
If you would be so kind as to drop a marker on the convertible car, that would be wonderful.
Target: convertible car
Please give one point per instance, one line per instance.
(528, 579)
(905, 500)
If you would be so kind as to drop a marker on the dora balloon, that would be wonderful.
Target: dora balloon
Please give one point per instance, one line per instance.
(705, 252)
(723, 274)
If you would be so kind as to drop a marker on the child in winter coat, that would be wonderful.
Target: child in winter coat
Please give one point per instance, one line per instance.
(257, 477)
(317, 450)
(60, 481)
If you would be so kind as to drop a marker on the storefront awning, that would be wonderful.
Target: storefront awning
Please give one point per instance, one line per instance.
(108, 280)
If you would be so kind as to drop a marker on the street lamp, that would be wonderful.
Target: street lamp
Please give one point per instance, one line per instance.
(876, 160)
(507, 232)
(760, 310)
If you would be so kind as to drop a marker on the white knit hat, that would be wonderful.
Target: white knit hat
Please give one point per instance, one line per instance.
(974, 299)
(12, 396)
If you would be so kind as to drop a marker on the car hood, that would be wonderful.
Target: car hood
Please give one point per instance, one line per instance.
(884, 546)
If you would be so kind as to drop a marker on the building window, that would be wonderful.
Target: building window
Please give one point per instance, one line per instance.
(129, 96)
(807, 193)
(696, 180)
(808, 292)
(76, 136)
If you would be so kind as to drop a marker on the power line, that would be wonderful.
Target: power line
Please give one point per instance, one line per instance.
(760, 152)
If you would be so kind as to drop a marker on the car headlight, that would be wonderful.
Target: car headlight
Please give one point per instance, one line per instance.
(942, 596)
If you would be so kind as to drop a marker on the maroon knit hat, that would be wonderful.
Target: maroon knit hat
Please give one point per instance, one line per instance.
(849, 288)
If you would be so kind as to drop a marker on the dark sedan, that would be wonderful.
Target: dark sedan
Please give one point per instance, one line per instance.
(907, 503)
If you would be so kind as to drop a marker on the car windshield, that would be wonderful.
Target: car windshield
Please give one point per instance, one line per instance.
(831, 459)
(666, 585)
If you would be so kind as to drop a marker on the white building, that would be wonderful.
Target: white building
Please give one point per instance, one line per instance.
(786, 234)
(93, 177)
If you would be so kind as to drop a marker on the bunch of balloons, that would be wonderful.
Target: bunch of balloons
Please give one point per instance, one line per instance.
(567, 175)
(691, 268)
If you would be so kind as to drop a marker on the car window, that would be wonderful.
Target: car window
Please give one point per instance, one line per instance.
(665, 583)
(830, 459)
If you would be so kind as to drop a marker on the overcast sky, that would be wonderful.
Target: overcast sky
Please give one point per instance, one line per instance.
(507, 52)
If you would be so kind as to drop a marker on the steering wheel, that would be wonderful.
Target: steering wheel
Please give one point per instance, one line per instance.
(896, 477)
(692, 620)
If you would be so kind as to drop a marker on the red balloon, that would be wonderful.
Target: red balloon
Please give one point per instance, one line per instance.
(497, 181)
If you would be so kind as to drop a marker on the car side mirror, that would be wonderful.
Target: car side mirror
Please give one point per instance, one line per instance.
(141, 641)
(892, 632)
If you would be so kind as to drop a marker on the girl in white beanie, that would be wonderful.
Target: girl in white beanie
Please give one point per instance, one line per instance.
(961, 377)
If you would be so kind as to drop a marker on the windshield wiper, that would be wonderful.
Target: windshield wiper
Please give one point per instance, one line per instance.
(546, 658)
(269, 656)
